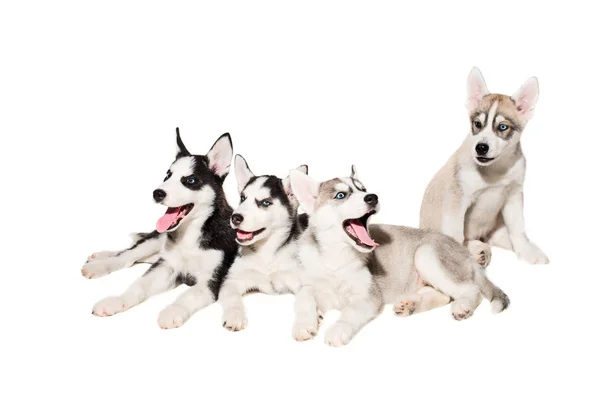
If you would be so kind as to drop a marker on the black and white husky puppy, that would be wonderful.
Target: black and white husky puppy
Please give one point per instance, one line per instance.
(192, 244)
(267, 226)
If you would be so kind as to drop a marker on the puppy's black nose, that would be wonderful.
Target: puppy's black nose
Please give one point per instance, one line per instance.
(482, 149)
(237, 219)
(371, 199)
(159, 195)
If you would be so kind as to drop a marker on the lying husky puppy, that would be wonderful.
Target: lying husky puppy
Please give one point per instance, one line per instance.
(267, 226)
(477, 197)
(192, 243)
(341, 271)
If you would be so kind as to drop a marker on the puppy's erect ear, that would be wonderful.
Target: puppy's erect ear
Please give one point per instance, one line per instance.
(287, 185)
(354, 174)
(181, 150)
(242, 172)
(219, 156)
(476, 89)
(305, 189)
(526, 98)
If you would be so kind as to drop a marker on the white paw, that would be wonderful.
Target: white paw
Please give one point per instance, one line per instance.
(305, 329)
(97, 269)
(481, 252)
(406, 306)
(532, 254)
(461, 310)
(172, 316)
(101, 255)
(234, 319)
(109, 306)
(339, 335)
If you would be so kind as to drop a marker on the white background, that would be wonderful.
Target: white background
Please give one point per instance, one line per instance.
(90, 95)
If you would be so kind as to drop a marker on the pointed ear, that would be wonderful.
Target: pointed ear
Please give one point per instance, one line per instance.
(242, 172)
(287, 185)
(476, 89)
(181, 150)
(354, 174)
(526, 98)
(305, 189)
(219, 156)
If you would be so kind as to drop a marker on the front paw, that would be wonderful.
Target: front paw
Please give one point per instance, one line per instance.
(173, 316)
(532, 254)
(101, 255)
(110, 306)
(234, 319)
(305, 329)
(97, 268)
(462, 309)
(339, 334)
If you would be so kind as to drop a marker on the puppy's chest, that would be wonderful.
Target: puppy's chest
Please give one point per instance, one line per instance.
(336, 286)
(189, 257)
(279, 273)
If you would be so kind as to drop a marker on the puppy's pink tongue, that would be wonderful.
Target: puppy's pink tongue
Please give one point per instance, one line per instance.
(244, 235)
(167, 220)
(361, 233)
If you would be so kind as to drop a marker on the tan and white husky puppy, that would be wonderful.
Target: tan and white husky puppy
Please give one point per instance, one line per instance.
(267, 226)
(356, 268)
(477, 197)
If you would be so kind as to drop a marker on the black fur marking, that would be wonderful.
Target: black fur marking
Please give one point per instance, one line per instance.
(182, 151)
(187, 279)
(218, 235)
(157, 264)
(143, 237)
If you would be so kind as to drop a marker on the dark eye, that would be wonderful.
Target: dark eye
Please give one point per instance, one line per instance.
(503, 127)
(265, 203)
(477, 124)
(191, 180)
(242, 198)
(340, 195)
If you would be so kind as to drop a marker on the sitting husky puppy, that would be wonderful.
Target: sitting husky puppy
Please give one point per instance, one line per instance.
(477, 197)
(341, 271)
(267, 226)
(192, 243)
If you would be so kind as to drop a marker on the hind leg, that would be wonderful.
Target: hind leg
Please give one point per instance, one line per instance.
(453, 282)
(481, 252)
(499, 237)
(426, 298)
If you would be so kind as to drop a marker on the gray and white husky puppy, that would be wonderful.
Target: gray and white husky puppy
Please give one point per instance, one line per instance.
(192, 243)
(352, 266)
(477, 197)
(267, 226)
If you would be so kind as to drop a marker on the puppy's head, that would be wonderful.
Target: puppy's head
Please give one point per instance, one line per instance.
(192, 182)
(340, 207)
(497, 120)
(267, 204)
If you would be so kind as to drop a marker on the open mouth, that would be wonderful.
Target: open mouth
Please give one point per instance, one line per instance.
(484, 160)
(243, 236)
(356, 229)
(173, 217)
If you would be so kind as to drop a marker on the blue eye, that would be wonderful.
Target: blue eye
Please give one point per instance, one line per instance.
(503, 127)
(168, 175)
(191, 180)
(265, 203)
(242, 198)
(340, 195)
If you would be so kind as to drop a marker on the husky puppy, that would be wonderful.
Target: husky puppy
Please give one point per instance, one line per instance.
(477, 197)
(346, 267)
(267, 226)
(192, 243)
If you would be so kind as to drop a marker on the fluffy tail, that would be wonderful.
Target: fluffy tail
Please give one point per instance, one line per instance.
(496, 297)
